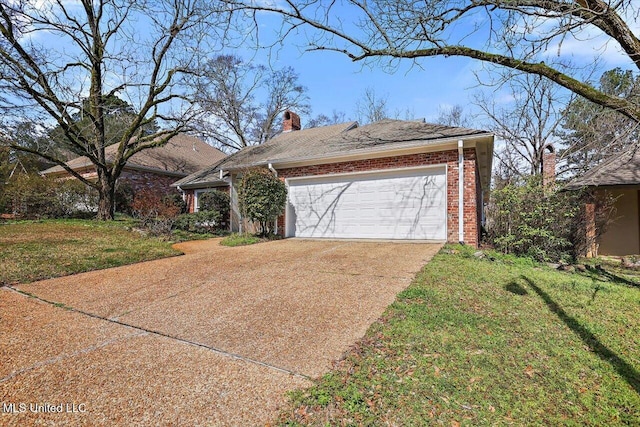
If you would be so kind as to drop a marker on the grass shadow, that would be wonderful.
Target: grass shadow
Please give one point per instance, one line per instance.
(624, 369)
(516, 288)
(599, 273)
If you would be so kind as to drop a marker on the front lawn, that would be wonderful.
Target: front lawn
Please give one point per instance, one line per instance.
(490, 342)
(34, 250)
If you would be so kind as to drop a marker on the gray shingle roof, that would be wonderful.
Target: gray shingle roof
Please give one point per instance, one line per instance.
(182, 155)
(620, 169)
(332, 141)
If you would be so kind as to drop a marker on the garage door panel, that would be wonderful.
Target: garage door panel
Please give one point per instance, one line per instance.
(399, 205)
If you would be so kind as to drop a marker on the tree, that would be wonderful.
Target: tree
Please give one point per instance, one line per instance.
(242, 101)
(592, 133)
(526, 125)
(452, 116)
(25, 134)
(324, 120)
(371, 107)
(523, 35)
(61, 59)
(262, 198)
(118, 117)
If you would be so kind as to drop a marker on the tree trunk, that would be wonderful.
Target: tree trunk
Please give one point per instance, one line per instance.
(106, 192)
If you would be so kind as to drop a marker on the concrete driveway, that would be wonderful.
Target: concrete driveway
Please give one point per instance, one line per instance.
(214, 337)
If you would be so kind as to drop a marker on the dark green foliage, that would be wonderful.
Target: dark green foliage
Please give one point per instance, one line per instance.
(198, 222)
(118, 117)
(218, 201)
(262, 198)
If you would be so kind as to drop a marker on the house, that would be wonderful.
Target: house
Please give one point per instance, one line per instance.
(392, 179)
(619, 176)
(154, 168)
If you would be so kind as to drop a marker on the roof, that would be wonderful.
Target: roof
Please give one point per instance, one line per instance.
(181, 155)
(620, 169)
(329, 142)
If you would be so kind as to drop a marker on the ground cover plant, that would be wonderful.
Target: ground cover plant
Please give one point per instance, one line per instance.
(34, 250)
(498, 340)
(242, 239)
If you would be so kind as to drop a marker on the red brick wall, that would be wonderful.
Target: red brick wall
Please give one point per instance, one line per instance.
(139, 180)
(450, 158)
(190, 199)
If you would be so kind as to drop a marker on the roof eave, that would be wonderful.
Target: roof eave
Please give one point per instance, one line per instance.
(577, 187)
(200, 184)
(428, 146)
(83, 168)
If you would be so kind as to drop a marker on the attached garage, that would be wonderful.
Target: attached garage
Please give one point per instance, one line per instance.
(408, 204)
(391, 180)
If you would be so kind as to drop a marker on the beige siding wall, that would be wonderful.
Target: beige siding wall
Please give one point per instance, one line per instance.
(623, 236)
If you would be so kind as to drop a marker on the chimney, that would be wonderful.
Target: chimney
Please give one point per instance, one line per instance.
(291, 121)
(548, 165)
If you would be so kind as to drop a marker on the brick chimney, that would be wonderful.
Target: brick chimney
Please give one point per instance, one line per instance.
(548, 165)
(291, 121)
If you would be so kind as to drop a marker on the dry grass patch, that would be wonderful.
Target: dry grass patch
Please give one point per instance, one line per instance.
(36, 250)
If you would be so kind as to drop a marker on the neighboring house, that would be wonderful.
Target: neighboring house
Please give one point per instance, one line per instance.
(154, 168)
(620, 177)
(391, 179)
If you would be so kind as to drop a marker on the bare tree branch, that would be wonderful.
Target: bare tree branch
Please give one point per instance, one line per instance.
(513, 34)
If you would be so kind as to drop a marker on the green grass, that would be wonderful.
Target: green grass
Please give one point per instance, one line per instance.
(35, 250)
(490, 342)
(238, 239)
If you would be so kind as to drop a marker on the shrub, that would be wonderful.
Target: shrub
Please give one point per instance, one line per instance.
(217, 201)
(76, 199)
(262, 198)
(148, 203)
(198, 222)
(528, 219)
(157, 213)
(176, 200)
(33, 197)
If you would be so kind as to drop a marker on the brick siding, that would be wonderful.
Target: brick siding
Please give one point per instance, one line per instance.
(472, 188)
(140, 180)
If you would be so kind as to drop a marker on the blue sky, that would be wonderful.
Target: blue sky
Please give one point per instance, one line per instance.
(334, 82)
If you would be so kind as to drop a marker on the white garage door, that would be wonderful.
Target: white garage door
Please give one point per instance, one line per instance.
(399, 204)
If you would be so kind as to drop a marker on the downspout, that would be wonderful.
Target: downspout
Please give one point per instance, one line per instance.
(275, 173)
(184, 195)
(273, 170)
(460, 191)
(221, 175)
